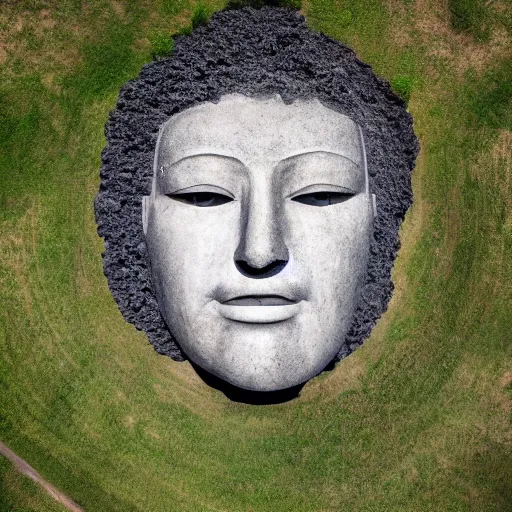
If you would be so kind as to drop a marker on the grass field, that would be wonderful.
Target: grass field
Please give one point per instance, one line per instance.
(419, 418)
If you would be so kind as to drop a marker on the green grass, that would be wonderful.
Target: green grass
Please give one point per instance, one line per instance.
(470, 16)
(417, 419)
(403, 86)
(200, 15)
(161, 44)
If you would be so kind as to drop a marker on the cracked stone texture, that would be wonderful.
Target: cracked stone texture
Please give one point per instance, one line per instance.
(257, 53)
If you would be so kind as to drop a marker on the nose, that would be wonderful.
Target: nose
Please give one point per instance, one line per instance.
(262, 251)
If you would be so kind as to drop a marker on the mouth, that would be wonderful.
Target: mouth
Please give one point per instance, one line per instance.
(259, 309)
(260, 300)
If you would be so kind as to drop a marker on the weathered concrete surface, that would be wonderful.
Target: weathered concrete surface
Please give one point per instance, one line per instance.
(256, 53)
(258, 229)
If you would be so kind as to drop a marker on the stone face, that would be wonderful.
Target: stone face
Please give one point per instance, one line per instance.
(257, 54)
(258, 229)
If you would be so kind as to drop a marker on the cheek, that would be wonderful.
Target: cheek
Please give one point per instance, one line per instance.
(331, 243)
(189, 243)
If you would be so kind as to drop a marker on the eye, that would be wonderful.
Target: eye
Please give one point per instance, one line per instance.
(202, 199)
(322, 198)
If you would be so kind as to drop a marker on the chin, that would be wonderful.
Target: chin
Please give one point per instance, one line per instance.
(269, 374)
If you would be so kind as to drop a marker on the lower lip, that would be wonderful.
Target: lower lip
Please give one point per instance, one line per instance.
(259, 314)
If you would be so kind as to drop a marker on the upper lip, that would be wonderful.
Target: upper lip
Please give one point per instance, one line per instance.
(288, 293)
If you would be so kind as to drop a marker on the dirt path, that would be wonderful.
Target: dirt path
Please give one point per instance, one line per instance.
(24, 468)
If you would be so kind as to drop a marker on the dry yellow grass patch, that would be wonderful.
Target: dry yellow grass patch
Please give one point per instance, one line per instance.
(506, 380)
(16, 254)
(304, 8)
(129, 421)
(3, 54)
(83, 286)
(40, 42)
(472, 376)
(170, 24)
(45, 19)
(501, 155)
(495, 166)
(118, 8)
(398, 34)
(461, 51)
(411, 230)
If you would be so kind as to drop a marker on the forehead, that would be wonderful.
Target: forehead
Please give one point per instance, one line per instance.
(257, 130)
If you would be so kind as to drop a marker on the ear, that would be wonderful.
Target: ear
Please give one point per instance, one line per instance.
(145, 209)
(374, 205)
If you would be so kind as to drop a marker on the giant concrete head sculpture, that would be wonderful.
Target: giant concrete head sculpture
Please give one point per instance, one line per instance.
(258, 229)
(237, 204)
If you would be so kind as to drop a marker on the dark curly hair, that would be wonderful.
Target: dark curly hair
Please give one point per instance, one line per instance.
(256, 53)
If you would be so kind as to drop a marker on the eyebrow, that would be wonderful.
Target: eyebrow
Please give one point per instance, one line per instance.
(291, 157)
(195, 155)
(320, 151)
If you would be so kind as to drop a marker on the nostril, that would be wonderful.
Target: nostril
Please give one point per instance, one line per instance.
(260, 273)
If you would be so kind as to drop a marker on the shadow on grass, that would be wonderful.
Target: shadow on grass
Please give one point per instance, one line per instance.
(245, 396)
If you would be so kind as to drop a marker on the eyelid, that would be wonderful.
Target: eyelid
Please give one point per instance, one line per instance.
(202, 188)
(322, 187)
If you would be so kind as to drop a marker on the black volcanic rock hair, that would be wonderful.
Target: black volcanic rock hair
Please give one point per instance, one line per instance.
(257, 53)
